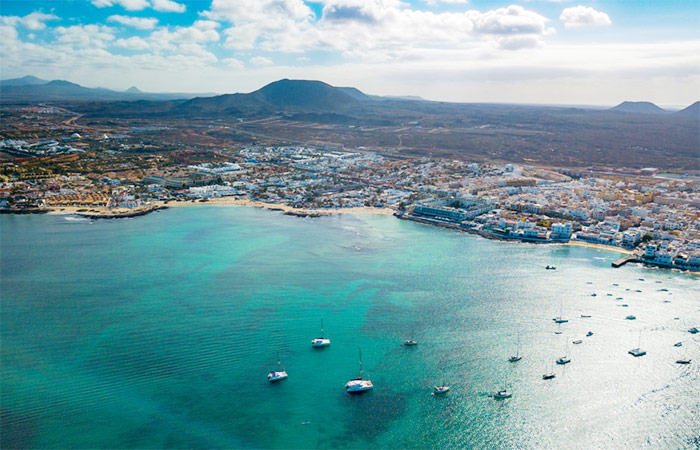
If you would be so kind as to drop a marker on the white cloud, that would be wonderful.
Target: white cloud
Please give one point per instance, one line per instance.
(142, 23)
(129, 5)
(168, 6)
(233, 63)
(581, 16)
(284, 25)
(454, 2)
(132, 43)
(34, 21)
(85, 36)
(260, 61)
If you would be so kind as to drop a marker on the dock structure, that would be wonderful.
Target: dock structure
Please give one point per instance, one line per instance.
(622, 261)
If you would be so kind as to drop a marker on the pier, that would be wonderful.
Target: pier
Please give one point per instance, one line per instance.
(622, 261)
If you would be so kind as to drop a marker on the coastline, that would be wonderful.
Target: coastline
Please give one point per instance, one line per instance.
(601, 247)
(287, 209)
(104, 213)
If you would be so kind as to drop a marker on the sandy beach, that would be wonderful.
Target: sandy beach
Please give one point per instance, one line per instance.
(601, 247)
(232, 201)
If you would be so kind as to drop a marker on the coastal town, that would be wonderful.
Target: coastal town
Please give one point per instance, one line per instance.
(652, 215)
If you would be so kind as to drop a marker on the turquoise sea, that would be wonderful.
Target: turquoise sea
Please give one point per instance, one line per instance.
(159, 331)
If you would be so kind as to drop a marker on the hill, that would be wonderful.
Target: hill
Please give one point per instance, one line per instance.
(283, 95)
(30, 89)
(692, 111)
(638, 108)
(28, 80)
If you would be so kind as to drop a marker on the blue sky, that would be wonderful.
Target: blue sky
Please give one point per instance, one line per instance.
(537, 51)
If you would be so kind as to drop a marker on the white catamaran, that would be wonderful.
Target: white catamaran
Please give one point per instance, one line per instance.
(321, 341)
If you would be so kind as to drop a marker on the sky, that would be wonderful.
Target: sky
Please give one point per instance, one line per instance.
(573, 52)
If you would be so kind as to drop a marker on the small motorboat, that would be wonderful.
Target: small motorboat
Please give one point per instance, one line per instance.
(560, 319)
(577, 341)
(551, 268)
(683, 361)
(589, 334)
(515, 358)
(548, 376)
(594, 295)
(693, 330)
(678, 344)
(563, 360)
(630, 317)
(410, 342)
(585, 316)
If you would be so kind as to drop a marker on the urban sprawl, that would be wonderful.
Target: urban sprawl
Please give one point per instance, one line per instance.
(654, 215)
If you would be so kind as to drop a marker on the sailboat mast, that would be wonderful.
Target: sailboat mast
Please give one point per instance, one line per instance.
(360, 362)
(321, 328)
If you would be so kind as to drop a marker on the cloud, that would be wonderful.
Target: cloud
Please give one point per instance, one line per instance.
(511, 20)
(142, 23)
(582, 16)
(168, 6)
(34, 21)
(260, 61)
(233, 63)
(129, 5)
(454, 2)
(85, 36)
(132, 43)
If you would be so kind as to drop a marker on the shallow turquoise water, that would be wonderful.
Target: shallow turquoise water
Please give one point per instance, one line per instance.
(158, 332)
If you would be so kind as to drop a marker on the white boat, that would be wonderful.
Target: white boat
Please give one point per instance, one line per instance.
(321, 341)
(279, 374)
(564, 359)
(358, 384)
(638, 351)
(549, 375)
(517, 356)
(412, 341)
(437, 390)
(577, 341)
(505, 393)
(560, 318)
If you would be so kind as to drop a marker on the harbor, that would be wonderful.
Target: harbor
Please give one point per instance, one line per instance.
(146, 345)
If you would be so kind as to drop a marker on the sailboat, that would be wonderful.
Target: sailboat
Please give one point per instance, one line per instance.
(517, 356)
(358, 384)
(564, 359)
(321, 341)
(503, 393)
(549, 375)
(638, 351)
(442, 388)
(560, 318)
(279, 374)
(412, 341)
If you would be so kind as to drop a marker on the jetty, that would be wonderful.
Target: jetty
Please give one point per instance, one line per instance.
(622, 261)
